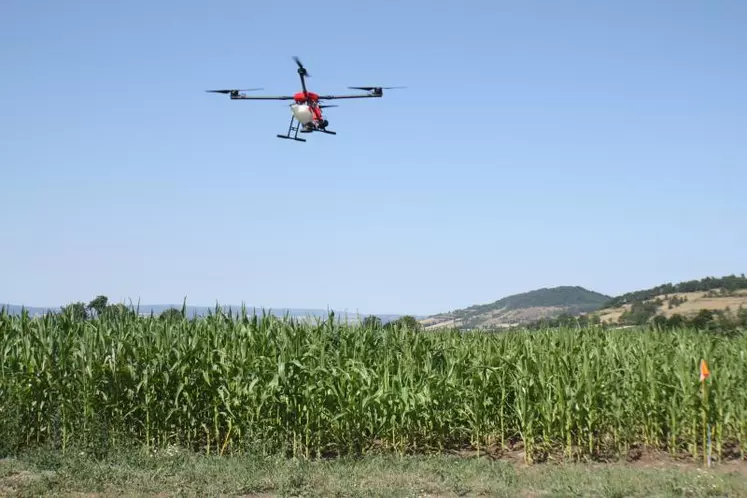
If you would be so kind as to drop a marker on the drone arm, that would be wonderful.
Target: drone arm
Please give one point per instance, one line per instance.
(357, 96)
(238, 95)
(259, 97)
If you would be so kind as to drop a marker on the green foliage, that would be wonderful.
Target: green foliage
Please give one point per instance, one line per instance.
(119, 310)
(742, 316)
(564, 320)
(77, 310)
(372, 322)
(174, 472)
(171, 314)
(639, 313)
(574, 297)
(409, 322)
(98, 304)
(730, 283)
(676, 321)
(659, 321)
(706, 320)
(264, 384)
(96, 307)
(676, 301)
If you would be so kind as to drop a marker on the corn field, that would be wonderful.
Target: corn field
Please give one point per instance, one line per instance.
(258, 383)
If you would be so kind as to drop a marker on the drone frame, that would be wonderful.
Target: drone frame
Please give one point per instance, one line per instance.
(308, 98)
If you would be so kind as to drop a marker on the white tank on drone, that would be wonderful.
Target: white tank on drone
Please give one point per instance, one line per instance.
(302, 113)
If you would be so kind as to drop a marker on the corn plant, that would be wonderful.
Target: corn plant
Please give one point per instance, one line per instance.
(224, 383)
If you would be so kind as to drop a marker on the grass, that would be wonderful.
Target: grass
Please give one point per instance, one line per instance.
(173, 471)
(225, 384)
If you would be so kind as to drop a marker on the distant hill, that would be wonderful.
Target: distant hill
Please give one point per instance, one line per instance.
(522, 308)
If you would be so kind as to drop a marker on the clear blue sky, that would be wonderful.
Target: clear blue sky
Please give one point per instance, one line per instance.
(589, 143)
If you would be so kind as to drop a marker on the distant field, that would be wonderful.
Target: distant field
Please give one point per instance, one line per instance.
(695, 301)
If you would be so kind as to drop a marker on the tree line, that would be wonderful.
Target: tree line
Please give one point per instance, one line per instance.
(99, 306)
(407, 321)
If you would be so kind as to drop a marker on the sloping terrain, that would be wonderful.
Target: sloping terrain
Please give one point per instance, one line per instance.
(725, 296)
(522, 308)
(687, 304)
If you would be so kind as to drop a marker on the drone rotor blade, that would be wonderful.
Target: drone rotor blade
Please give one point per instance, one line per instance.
(234, 90)
(301, 70)
(372, 88)
(324, 106)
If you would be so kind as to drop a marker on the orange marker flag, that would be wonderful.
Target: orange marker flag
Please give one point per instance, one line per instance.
(704, 372)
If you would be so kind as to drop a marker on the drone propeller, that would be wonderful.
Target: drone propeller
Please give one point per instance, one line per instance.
(301, 70)
(324, 106)
(375, 88)
(234, 91)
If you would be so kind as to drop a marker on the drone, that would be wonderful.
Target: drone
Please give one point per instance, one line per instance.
(306, 108)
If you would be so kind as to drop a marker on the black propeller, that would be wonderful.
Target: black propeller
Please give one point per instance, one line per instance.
(375, 88)
(235, 91)
(301, 70)
(324, 106)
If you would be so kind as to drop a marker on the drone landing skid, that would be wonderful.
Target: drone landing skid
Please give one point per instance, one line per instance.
(290, 129)
(292, 138)
(293, 131)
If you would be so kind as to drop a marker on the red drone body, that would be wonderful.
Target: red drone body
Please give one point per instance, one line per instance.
(311, 99)
(300, 98)
(306, 108)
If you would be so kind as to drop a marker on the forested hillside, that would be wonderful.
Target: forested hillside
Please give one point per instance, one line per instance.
(523, 308)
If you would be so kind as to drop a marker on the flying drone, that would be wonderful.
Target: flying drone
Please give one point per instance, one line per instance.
(306, 109)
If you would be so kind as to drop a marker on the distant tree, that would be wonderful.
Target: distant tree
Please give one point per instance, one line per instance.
(726, 321)
(410, 322)
(171, 314)
(660, 322)
(639, 313)
(676, 321)
(676, 301)
(372, 322)
(98, 304)
(77, 310)
(742, 316)
(564, 319)
(407, 321)
(703, 319)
